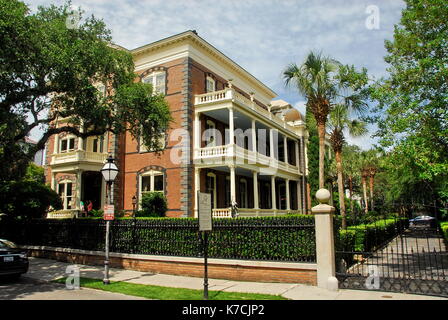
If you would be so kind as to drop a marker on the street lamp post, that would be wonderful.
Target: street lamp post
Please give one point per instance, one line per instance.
(134, 204)
(109, 172)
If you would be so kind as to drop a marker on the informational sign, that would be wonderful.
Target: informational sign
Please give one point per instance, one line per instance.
(205, 211)
(109, 212)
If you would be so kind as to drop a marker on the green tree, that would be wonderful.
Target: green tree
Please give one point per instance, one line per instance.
(50, 71)
(412, 111)
(339, 121)
(351, 154)
(314, 79)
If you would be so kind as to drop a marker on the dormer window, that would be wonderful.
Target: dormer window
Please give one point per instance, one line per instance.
(210, 84)
(157, 80)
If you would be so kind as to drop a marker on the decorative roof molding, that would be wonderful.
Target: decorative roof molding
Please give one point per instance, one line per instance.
(192, 38)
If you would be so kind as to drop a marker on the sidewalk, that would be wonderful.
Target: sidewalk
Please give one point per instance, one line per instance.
(47, 270)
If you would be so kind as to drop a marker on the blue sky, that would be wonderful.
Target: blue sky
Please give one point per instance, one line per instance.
(263, 36)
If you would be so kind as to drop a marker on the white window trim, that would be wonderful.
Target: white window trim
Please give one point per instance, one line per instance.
(68, 137)
(151, 174)
(64, 197)
(154, 75)
(211, 80)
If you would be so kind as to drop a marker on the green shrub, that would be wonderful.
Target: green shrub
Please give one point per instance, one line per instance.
(96, 213)
(154, 204)
(444, 228)
(286, 238)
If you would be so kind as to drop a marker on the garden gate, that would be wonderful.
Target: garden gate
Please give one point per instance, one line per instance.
(392, 255)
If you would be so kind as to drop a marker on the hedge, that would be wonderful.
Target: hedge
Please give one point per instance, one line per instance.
(444, 228)
(371, 236)
(286, 238)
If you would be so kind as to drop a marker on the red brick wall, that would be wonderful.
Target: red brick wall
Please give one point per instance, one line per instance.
(215, 270)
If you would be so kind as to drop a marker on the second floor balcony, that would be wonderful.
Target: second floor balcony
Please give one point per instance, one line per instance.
(78, 156)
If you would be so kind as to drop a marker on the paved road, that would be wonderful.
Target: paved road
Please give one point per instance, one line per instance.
(31, 289)
(415, 254)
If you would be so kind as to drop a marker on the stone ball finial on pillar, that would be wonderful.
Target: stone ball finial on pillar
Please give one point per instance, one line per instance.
(323, 196)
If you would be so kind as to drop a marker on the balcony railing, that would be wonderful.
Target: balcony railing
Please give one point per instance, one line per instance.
(242, 156)
(78, 155)
(230, 94)
(249, 212)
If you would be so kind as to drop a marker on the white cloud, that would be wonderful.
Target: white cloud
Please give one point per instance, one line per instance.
(263, 36)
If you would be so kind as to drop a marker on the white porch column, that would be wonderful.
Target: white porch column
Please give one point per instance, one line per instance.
(285, 148)
(80, 140)
(231, 127)
(254, 136)
(288, 200)
(56, 143)
(53, 182)
(255, 179)
(197, 132)
(197, 187)
(232, 184)
(78, 189)
(271, 143)
(273, 196)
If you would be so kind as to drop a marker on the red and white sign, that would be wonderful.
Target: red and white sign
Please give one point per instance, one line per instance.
(109, 212)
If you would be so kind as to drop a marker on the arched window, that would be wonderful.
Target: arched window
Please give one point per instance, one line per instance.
(151, 181)
(210, 133)
(158, 80)
(65, 191)
(210, 84)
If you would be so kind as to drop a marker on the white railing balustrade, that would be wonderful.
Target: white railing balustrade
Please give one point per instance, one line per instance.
(222, 213)
(78, 155)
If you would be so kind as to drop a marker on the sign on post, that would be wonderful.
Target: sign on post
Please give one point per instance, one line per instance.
(205, 211)
(109, 212)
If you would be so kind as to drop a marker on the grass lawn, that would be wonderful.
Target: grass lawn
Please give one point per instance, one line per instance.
(168, 293)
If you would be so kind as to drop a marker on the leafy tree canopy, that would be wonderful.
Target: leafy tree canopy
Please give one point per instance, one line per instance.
(51, 71)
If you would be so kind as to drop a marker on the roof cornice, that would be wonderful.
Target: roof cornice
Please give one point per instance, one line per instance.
(193, 38)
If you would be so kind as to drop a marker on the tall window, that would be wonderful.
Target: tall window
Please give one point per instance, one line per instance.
(210, 84)
(143, 148)
(243, 193)
(66, 193)
(98, 144)
(67, 144)
(210, 187)
(151, 181)
(210, 133)
(157, 80)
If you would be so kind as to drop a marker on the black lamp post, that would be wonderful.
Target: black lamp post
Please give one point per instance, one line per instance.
(109, 172)
(134, 204)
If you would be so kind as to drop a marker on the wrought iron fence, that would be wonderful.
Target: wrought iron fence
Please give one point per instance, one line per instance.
(269, 239)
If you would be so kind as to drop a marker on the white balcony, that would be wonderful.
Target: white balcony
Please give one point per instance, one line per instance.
(248, 212)
(78, 156)
(230, 95)
(219, 155)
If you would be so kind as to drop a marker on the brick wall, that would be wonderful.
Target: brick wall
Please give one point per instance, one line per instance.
(224, 269)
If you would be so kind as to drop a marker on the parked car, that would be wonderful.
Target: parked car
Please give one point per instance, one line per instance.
(422, 221)
(13, 260)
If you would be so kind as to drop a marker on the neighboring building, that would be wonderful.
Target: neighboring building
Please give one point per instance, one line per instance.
(39, 156)
(213, 101)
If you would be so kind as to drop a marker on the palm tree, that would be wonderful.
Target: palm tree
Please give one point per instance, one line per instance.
(369, 164)
(339, 122)
(315, 80)
(351, 155)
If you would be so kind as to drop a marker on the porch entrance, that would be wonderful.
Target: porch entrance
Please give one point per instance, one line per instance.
(92, 188)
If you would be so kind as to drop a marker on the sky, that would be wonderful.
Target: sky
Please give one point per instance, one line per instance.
(262, 36)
